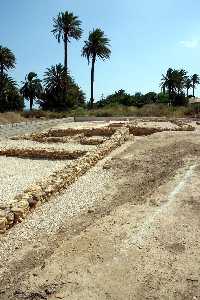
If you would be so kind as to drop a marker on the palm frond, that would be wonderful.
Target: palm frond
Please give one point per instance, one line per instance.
(67, 26)
(97, 45)
(7, 58)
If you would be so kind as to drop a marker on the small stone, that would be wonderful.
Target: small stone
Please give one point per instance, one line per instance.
(2, 223)
(60, 296)
(32, 202)
(106, 166)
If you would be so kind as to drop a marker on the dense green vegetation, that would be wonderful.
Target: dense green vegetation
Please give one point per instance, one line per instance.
(58, 91)
(32, 88)
(10, 98)
(175, 82)
(54, 96)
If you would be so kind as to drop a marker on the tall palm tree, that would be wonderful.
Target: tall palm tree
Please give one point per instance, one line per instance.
(7, 60)
(195, 81)
(32, 88)
(66, 27)
(97, 46)
(188, 85)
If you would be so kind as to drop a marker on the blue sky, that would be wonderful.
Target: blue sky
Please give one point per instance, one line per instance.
(147, 37)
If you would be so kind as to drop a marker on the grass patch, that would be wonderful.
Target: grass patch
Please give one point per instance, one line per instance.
(11, 117)
(149, 110)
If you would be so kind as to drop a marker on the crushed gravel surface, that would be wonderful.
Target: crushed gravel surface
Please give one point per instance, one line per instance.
(18, 174)
(49, 217)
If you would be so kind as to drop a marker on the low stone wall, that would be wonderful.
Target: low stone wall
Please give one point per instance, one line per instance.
(81, 134)
(51, 139)
(55, 139)
(92, 140)
(140, 131)
(102, 131)
(62, 135)
(42, 153)
(56, 183)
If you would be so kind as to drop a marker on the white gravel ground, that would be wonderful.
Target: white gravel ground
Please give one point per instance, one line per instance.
(18, 174)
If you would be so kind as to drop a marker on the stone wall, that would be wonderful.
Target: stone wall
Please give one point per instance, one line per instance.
(42, 153)
(42, 191)
(101, 131)
(63, 135)
(140, 131)
(92, 140)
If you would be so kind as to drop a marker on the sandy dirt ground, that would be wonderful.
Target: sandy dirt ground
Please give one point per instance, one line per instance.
(140, 242)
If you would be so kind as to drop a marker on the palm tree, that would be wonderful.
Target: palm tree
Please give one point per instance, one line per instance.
(167, 82)
(32, 88)
(7, 60)
(10, 98)
(55, 97)
(179, 79)
(188, 85)
(174, 81)
(55, 79)
(195, 81)
(97, 46)
(66, 27)
(9, 86)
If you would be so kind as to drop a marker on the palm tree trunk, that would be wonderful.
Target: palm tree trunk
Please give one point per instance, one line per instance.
(31, 104)
(164, 89)
(66, 53)
(187, 92)
(66, 60)
(92, 83)
(1, 70)
(193, 89)
(170, 92)
(1, 79)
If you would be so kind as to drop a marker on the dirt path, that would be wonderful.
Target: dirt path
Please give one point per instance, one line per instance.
(140, 242)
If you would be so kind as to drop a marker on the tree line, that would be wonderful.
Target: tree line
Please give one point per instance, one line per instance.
(175, 86)
(177, 82)
(57, 90)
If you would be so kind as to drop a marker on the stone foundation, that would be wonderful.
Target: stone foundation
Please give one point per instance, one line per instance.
(140, 131)
(92, 140)
(42, 153)
(42, 191)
